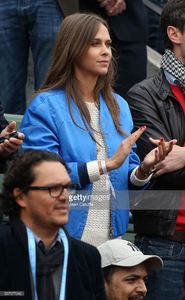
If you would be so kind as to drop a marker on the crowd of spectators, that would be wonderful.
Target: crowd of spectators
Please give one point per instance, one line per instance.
(80, 132)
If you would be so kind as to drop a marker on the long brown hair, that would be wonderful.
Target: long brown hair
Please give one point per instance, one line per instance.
(76, 34)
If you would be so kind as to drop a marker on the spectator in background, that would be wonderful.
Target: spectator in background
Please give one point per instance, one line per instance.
(126, 269)
(77, 115)
(69, 6)
(155, 39)
(159, 102)
(25, 25)
(9, 147)
(128, 25)
(37, 256)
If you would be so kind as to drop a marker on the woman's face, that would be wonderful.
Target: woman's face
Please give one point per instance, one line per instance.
(96, 60)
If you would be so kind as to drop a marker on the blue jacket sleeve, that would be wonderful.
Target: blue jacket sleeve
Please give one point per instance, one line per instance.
(41, 129)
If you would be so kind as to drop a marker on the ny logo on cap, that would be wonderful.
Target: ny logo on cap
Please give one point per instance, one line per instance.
(134, 247)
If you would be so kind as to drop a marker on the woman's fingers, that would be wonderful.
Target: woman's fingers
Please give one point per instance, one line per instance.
(171, 144)
(163, 149)
(136, 135)
(127, 144)
(156, 141)
(124, 149)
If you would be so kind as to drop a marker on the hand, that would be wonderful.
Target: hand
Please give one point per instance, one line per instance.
(123, 150)
(173, 162)
(10, 146)
(155, 156)
(113, 7)
(104, 3)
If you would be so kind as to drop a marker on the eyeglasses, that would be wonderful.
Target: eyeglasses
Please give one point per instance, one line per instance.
(55, 191)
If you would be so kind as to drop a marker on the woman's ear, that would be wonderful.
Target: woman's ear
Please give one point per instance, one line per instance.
(19, 197)
(174, 34)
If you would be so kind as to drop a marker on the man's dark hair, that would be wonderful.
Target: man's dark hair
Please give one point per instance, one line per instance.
(108, 272)
(173, 14)
(20, 175)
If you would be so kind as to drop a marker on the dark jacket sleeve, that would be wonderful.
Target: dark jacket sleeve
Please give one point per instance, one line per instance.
(129, 26)
(85, 278)
(163, 119)
(14, 265)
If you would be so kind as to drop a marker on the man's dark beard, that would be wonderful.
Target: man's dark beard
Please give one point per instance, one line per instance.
(138, 296)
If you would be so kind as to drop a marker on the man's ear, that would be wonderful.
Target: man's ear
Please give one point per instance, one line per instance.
(106, 285)
(174, 35)
(19, 196)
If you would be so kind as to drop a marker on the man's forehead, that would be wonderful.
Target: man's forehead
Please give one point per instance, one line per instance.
(136, 270)
(50, 169)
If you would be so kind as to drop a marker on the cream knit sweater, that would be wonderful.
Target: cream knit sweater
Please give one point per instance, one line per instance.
(98, 221)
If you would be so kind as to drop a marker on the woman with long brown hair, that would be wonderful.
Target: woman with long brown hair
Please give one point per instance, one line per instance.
(77, 115)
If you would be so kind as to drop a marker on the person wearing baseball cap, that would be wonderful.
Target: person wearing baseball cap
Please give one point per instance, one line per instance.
(125, 269)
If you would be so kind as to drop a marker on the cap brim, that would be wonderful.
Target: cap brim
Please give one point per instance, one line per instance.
(153, 262)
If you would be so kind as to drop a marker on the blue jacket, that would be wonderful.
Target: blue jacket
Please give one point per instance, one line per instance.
(47, 125)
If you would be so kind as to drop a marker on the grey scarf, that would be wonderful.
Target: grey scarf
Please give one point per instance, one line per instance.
(48, 263)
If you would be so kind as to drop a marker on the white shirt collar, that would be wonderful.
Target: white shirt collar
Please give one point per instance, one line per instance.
(170, 78)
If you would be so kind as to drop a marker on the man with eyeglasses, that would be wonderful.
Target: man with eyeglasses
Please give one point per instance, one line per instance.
(38, 259)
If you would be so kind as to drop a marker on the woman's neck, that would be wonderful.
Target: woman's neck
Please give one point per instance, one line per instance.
(86, 86)
(87, 91)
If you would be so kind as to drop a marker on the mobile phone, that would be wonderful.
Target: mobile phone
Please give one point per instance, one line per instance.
(8, 136)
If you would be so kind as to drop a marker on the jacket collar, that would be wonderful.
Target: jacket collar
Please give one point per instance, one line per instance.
(19, 230)
(163, 86)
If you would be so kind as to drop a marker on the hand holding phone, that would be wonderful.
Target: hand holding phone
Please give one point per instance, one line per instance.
(8, 136)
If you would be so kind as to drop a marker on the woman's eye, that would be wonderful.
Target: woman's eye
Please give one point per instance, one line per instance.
(95, 43)
(109, 45)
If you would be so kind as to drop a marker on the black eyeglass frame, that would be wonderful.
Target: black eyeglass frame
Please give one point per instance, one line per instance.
(71, 188)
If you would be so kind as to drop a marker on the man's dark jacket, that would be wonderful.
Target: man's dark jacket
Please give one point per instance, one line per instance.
(84, 277)
(153, 104)
(129, 26)
(128, 32)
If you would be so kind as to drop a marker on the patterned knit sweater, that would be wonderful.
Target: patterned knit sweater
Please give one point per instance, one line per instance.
(98, 220)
